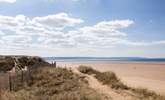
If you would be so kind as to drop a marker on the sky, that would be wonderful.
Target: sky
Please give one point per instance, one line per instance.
(98, 28)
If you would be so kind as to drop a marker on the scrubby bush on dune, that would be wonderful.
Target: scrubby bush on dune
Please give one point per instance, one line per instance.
(37, 61)
(110, 78)
(7, 63)
(87, 70)
(30, 61)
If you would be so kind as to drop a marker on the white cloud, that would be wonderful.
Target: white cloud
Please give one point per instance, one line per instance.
(14, 30)
(160, 42)
(63, 0)
(7, 22)
(21, 32)
(16, 39)
(141, 43)
(116, 24)
(42, 25)
(58, 21)
(2, 33)
(8, 1)
(103, 34)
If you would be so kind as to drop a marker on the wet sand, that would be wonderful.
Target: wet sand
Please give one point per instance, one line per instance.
(149, 75)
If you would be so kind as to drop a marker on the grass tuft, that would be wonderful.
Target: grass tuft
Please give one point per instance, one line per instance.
(147, 94)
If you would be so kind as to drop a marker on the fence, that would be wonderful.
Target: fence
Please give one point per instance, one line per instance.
(13, 81)
(4, 81)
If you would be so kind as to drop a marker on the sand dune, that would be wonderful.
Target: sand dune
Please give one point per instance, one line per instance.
(147, 75)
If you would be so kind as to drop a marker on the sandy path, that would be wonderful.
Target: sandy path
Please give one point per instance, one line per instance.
(103, 89)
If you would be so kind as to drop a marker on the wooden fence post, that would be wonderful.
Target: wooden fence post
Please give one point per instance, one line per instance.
(55, 64)
(30, 77)
(22, 78)
(10, 83)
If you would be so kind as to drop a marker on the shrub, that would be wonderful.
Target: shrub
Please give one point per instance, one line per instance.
(7, 62)
(87, 70)
(147, 94)
(110, 78)
(6, 65)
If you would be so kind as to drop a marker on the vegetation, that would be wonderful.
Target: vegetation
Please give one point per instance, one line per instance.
(110, 78)
(7, 62)
(145, 94)
(54, 84)
(87, 70)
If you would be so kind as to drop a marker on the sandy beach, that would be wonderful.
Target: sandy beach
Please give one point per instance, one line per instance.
(150, 75)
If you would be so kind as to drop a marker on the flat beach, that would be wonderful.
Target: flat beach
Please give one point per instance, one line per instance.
(150, 75)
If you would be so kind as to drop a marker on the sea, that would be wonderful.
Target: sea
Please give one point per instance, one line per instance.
(104, 59)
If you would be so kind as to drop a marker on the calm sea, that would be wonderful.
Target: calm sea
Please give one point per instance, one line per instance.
(105, 59)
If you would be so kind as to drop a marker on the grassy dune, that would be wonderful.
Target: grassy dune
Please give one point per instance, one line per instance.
(54, 84)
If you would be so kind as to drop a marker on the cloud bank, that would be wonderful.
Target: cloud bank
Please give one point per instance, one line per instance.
(63, 31)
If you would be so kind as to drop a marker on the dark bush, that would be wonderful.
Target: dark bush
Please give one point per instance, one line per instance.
(87, 70)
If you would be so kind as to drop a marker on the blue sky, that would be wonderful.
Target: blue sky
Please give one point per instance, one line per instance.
(83, 27)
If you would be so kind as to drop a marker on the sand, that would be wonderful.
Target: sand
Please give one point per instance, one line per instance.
(150, 75)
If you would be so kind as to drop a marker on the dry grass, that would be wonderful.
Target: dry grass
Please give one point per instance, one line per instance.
(108, 78)
(54, 84)
(145, 94)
